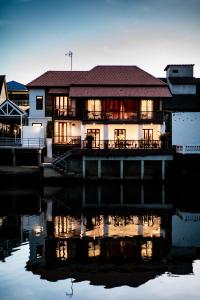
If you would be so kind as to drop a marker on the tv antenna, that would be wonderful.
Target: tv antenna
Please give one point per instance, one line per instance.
(70, 54)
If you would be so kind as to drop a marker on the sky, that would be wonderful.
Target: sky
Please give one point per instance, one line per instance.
(35, 35)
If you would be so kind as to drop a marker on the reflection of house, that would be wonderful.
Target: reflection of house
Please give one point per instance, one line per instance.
(18, 93)
(135, 244)
(184, 108)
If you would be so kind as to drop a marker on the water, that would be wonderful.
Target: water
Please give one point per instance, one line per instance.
(88, 241)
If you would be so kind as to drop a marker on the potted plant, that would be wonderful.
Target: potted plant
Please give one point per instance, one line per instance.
(89, 139)
(165, 139)
(49, 135)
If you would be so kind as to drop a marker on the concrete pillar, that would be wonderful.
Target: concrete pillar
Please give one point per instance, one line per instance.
(39, 157)
(142, 169)
(105, 132)
(83, 195)
(121, 169)
(83, 167)
(49, 210)
(163, 169)
(142, 193)
(99, 194)
(163, 194)
(14, 157)
(121, 194)
(82, 134)
(99, 168)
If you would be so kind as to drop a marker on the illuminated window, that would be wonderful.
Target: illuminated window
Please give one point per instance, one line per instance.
(39, 102)
(146, 109)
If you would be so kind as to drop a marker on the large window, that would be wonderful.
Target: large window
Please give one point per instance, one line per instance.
(39, 102)
(64, 106)
(94, 108)
(146, 109)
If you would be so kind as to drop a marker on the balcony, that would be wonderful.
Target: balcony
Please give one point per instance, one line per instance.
(72, 113)
(125, 116)
(125, 144)
(74, 141)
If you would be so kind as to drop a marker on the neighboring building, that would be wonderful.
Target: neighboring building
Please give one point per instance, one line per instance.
(183, 111)
(18, 93)
(3, 89)
(12, 117)
(120, 106)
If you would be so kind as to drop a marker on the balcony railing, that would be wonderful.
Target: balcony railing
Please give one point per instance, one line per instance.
(21, 142)
(136, 116)
(67, 140)
(125, 144)
(66, 113)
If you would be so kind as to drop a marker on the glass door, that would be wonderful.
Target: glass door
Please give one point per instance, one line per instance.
(120, 138)
(95, 133)
(148, 137)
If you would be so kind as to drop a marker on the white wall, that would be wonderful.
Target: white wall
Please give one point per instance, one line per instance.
(3, 95)
(33, 113)
(183, 71)
(185, 233)
(185, 89)
(186, 128)
(133, 131)
(31, 135)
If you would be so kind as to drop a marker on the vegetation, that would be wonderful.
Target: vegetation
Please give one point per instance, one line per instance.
(49, 129)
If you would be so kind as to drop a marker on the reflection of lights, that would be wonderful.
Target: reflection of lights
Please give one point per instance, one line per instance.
(37, 229)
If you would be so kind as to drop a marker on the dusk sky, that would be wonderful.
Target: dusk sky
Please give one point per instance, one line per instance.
(36, 34)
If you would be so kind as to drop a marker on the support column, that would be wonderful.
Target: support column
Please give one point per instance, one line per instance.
(105, 135)
(99, 168)
(163, 194)
(83, 167)
(99, 194)
(163, 169)
(83, 195)
(14, 157)
(82, 134)
(142, 169)
(121, 194)
(39, 157)
(121, 169)
(142, 193)
(49, 211)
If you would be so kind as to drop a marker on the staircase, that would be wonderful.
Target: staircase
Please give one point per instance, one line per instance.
(62, 162)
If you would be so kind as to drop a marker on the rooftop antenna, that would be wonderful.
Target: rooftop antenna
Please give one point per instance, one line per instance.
(70, 54)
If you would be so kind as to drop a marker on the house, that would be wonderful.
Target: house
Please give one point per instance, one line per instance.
(18, 93)
(12, 117)
(109, 108)
(111, 103)
(183, 110)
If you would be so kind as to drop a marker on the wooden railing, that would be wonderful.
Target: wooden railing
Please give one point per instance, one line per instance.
(136, 116)
(68, 140)
(125, 144)
(64, 112)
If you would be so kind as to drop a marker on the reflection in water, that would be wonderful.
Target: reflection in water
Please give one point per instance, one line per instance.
(127, 239)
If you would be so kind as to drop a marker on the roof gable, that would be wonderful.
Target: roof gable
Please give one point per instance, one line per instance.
(10, 109)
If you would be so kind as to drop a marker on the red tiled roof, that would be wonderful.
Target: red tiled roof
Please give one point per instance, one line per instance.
(134, 91)
(56, 78)
(59, 91)
(118, 75)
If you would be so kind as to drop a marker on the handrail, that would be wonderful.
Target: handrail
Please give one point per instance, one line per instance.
(24, 142)
(123, 115)
(122, 144)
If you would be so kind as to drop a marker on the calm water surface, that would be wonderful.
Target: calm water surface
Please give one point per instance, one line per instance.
(89, 242)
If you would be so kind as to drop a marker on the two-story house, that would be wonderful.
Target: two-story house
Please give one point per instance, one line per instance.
(120, 106)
